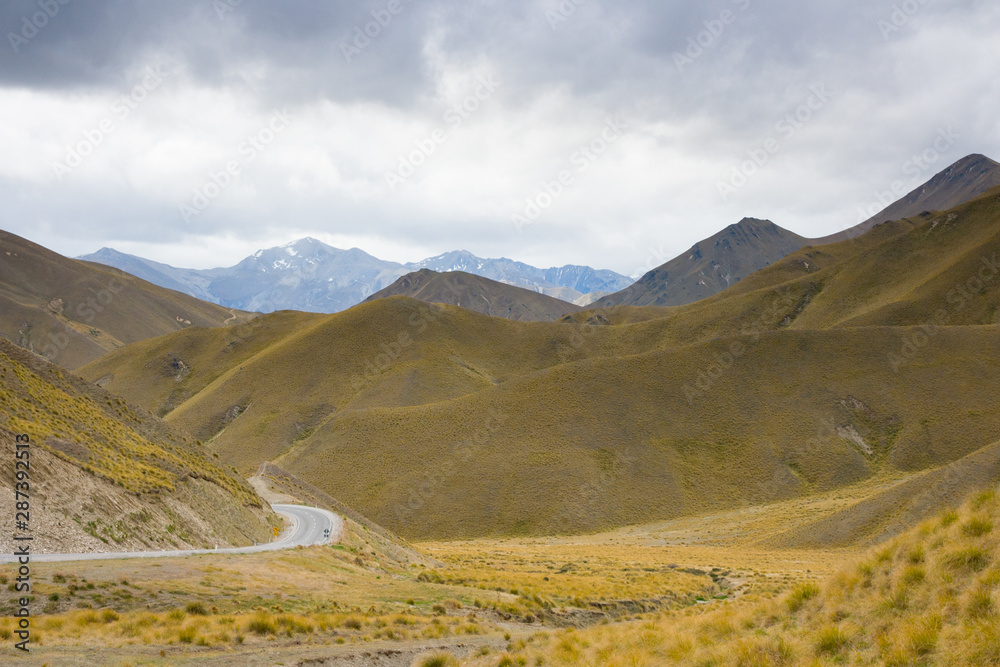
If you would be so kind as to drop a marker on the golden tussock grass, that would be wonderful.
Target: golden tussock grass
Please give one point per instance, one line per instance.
(928, 597)
(110, 432)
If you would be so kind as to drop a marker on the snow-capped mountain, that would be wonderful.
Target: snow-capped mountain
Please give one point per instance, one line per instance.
(311, 276)
(554, 282)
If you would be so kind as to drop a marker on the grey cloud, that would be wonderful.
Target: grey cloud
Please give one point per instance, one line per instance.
(605, 57)
(296, 46)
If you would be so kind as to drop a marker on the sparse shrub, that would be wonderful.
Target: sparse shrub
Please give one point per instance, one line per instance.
(977, 526)
(196, 609)
(352, 623)
(832, 640)
(439, 660)
(261, 624)
(980, 604)
(802, 594)
(971, 558)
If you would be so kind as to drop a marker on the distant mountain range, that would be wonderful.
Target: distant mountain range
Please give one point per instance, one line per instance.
(577, 284)
(311, 276)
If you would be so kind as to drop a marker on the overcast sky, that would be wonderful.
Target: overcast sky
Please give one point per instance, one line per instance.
(614, 134)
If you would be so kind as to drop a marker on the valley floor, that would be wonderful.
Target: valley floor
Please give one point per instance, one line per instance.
(359, 603)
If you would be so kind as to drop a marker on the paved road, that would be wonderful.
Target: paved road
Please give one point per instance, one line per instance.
(309, 525)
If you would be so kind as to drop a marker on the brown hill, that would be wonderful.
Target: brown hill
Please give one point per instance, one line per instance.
(73, 312)
(739, 250)
(478, 294)
(107, 476)
(962, 182)
(710, 266)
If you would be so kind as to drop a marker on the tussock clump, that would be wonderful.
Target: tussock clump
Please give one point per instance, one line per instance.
(437, 660)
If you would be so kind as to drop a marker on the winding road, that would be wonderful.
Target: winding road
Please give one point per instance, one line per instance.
(309, 528)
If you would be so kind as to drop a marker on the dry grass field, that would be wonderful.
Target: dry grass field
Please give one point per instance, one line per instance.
(474, 598)
(643, 595)
(928, 597)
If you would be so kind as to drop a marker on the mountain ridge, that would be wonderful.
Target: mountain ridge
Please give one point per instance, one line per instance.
(711, 265)
(311, 276)
(957, 184)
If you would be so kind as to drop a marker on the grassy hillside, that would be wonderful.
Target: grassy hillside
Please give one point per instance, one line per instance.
(833, 366)
(73, 312)
(798, 413)
(107, 474)
(478, 294)
(929, 597)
